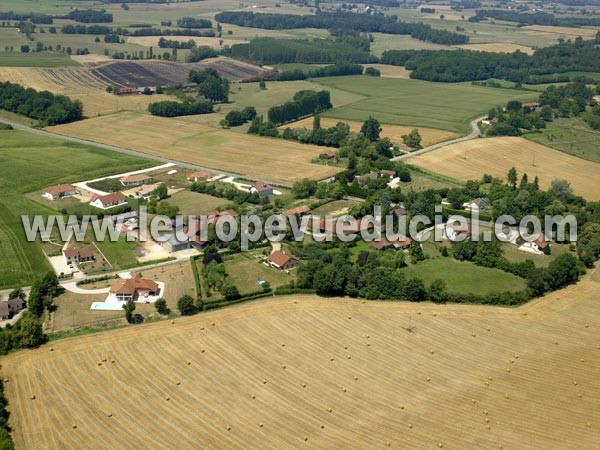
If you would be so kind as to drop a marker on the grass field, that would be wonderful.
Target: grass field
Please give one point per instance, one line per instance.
(42, 59)
(465, 277)
(27, 168)
(495, 156)
(293, 372)
(245, 270)
(195, 203)
(572, 136)
(274, 160)
(394, 132)
(444, 106)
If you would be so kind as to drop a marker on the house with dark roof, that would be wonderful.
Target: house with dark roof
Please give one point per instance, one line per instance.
(59, 191)
(261, 188)
(9, 308)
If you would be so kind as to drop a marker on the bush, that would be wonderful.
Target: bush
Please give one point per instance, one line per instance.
(373, 72)
(186, 306)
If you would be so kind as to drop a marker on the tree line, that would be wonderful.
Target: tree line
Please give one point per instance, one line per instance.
(377, 23)
(467, 65)
(281, 51)
(144, 31)
(188, 107)
(192, 22)
(88, 16)
(48, 108)
(304, 103)
(36, 18)
(335, 70)
(535, 18)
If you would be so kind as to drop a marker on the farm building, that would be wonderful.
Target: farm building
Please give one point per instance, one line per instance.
(135, 180)
(108, 201)
(261, 188)
(399, 243)
(198, 176)
(531, 105)
(73, 255)
(11, 307)
(281, 261)
(125, 91)
(297, 211)
(134, 288)
(174, 244)
(145, 191)
(388, 173)
(362, 179)
(356, 226)
(59, 191)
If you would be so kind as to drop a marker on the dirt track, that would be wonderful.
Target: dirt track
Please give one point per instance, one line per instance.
(325, 373)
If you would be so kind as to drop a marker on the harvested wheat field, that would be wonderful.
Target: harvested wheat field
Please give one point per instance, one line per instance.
(498, 47)
(550, 31)
(79, 84)
(393, 132)
(257, 157)
(471, 159)
(388, 71)
(325, 373)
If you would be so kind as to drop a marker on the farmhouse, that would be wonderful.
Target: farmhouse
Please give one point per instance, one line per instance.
(400, 242)
(297, 211)
(281, 261)
(262, 188)
(134, 288)
(388, 173)
(145, 191)
(59, 191)
(539, 245)
(364, 178)
(73, 255)
(11, 307)
(531, 105)
(198, 176)
(356, 226)
(473, 205)
(135, 180)
(108, 201)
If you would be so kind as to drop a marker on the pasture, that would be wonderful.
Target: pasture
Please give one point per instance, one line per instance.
(194, 203)
(27, 168)
(471, 159)
(257, 157)
(245, 270)
(415, 103)
(393, 132)
(572, 136)
(42, 59)
(291, 372)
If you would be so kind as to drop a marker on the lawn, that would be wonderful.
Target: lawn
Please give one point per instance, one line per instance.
(395, 101)
(246, 269)
(195, 203)
(27, 168)
(464, 277)
(42, 59)
(572, 136)
(511, 253)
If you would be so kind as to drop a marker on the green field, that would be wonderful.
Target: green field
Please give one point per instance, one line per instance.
(464, 277)
(572, 136)
(42, 59)
(193, 203)
(245, 270)
(30, 163)
(445, 106)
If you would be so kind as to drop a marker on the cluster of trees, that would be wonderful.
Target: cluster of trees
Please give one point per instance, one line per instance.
(188, 107)
(48, 108)
(226, 191)
(31, 16)
(210, 85)
(90, 16)
(535, 18)
(168, 43)
(6, 442)
(200, 53)
(281, 51)
(304, 103)
(214, 275)
(175, 32)
(465, 65)
(556, 101)
(325, 137)
(91, 29)
(192, 22)
(236, 118)
(369, 23)
(335, 70)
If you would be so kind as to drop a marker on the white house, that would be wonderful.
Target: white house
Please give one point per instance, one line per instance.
(108, 201)
(537, 245)
(59, 191)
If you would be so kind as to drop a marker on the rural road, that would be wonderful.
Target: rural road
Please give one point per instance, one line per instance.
(126, 151)
(473, 135)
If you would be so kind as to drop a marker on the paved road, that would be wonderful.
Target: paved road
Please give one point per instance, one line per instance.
(475, 133)
(132, 152)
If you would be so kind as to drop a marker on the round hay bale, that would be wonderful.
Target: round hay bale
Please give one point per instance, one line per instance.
(434, 314)
(305, 438)
(112, 361)
(485, 413)
(261, 425)
(473, 400)
(168, 398)
(355, 378)
(343, 389)
(74, 426)
(368, 337)
(283, 367)
(440, 445)
(329, 410)
(103, 359)
(349, 317)
(588, 425)
(109, 415)
(228, 428)
(487, 420)
(579, 395)
(428, 379)
(172, 322)
(6, 380)
(189, 363)
(33, 397)
(506, 396)
(253, 396)
(345, 347)
(99, 363)
(368, 344)
(303, 385)
(431, 351)
(418, 313)
(410, 426)
(283, 345)
(508, 370)
(322, 426)
(488, 329)
(575, 383)
(349, 357)
(487, 384)
(490, 378)
(202, 351)
(178, 383)
(51, 349)
(473, 334)
(212, 324)
(264, 381)
(582, 360)
(387, 444)
(331, 359)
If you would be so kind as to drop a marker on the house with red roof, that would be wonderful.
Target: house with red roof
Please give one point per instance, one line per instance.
(135, 180)
(200, 175)
(59, 191)
(282, 261)
(134, 289)
(261, 188)
(108, 200)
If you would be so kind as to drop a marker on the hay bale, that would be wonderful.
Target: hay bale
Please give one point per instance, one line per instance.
(283, 367)
(344, 389)
(331, 359)
(109, 415)
(167, 398)
(178, 383)
(329, 410)
(322, 426)
(305, 438)
(112, 361)
(355, 378)
(303, 385)
(410, 426)
(189, 363)
(212, 324)
(51, 349)
(348, 356)
(253, 396)
(440, 445)
(172, 322)
(99, 363)
(74, 426)
(261, 425)
(32, 397)
(575, 383)
(428, 379)
(228, 428)
(264, 381)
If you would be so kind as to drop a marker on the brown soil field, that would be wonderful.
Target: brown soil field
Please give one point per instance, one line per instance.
(152, 41)
(471, 159)
(498, 47)
(326, 373)
(394, 132)
(586, 33)
(273, 160)
(80, 84)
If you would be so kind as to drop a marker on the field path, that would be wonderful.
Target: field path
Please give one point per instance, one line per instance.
(475, 133)
(131, 152)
